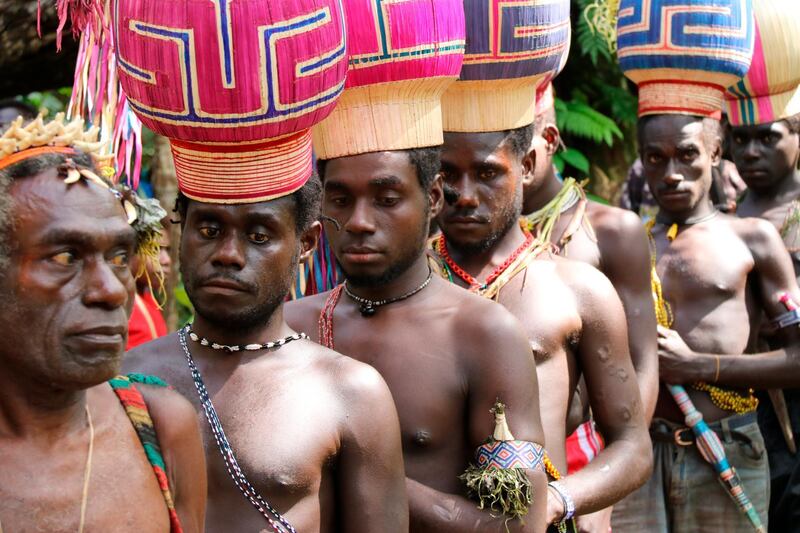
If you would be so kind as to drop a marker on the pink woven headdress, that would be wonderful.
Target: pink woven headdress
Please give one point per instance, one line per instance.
(512, 46)
(403, 55)
(235, 85)
(770, 90)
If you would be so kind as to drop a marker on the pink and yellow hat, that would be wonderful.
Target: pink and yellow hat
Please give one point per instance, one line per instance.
(403, 55)
(235, 86)
(770, 90)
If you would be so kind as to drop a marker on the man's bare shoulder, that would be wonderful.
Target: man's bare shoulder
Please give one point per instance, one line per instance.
(158, 357)
(753, 230)
(474, 312)
(587, 283)
(173, 415)
(305, 311)
(614, 222)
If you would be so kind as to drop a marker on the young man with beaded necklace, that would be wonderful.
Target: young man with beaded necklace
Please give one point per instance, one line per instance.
(445, 354)
(572, 316)
(315, 433)
(719, 274)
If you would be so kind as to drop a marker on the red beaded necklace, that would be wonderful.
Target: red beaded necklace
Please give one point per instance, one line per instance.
(474, 284)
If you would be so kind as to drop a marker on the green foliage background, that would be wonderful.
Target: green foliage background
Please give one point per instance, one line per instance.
(596, 111)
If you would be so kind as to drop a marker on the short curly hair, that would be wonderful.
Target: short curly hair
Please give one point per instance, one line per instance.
(426, 161)
(27, 168)
(519, 139)
(307, 201)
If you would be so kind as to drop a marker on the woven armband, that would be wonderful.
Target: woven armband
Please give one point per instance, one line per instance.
(498, 479)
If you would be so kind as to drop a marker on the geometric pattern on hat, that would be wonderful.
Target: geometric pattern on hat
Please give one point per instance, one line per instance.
(502, 455)
(229, 72)
(403, 55)
(684, 55)
(770, 90)
(511, 46)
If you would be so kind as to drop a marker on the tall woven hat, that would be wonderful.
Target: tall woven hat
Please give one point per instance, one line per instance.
(403, 55)
(236, 86)
(684, 55)
(770, 91)
(511, 46)
(545, 95)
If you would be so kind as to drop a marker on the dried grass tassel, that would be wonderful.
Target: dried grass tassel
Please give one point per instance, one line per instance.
(498, 481)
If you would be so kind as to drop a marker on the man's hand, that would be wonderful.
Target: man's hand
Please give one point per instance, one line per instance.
(599, 522)
(674, 358)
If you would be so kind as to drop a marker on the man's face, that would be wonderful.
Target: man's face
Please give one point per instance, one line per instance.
(68, 288)
(676, 161)
(238, 261)
(147, 269)
(383, 215)
(764, 154)
(487, 176)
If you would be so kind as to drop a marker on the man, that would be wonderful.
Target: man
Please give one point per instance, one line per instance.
(572, 316)
(146, 322)
(767, 155)
(315, 433)
(610, 239)
(718, 273)
(446, 355)
(66, 287)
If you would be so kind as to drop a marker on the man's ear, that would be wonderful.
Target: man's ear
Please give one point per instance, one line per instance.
(529, 167)
(552, 138)
(436, 195)
(309, 240)
(716, 155)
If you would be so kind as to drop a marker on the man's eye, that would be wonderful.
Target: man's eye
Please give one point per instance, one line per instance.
(65, 258)
(258, 238)
(120, 259)
(447, 177)
(653, 159)
(738, 139)
(338, 201)
(689, 156)
(388, 201)
(487, 174)
(209, 232)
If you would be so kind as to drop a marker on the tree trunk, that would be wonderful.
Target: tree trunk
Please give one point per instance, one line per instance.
(29, 63)
(165, 188)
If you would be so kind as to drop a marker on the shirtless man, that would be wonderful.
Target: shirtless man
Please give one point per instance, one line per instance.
(608, 238)
(572, 316)
(315, 433)
(718, 274)
(767, 156)
(446, 355)
(70, 457)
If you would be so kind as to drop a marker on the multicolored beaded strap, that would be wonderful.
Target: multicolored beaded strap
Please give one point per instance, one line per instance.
(136, 409)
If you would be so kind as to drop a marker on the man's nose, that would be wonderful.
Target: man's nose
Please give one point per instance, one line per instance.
(751, 150)
(361, 219)
(105, 285)
(229, 252)
(673, 176)
(467, 192)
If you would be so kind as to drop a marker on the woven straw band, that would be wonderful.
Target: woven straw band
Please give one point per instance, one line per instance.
(668, 97)
(228, 173)
(510, 454)
(395, 115)
(752, 110)
(15, 158)
(489, 105)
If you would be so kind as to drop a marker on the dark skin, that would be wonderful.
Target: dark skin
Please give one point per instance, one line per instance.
(316, 433)
(618, 249)
(67, 292)
(573, 319)
(766, 156)
(718, 275)
(446, 355)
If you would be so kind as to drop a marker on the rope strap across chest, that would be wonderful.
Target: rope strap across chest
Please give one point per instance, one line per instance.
(136, 409)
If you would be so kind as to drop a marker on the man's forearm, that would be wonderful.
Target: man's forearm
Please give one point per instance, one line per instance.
(438, 512)
(622, 467)
(647, 378)
(765, 370)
